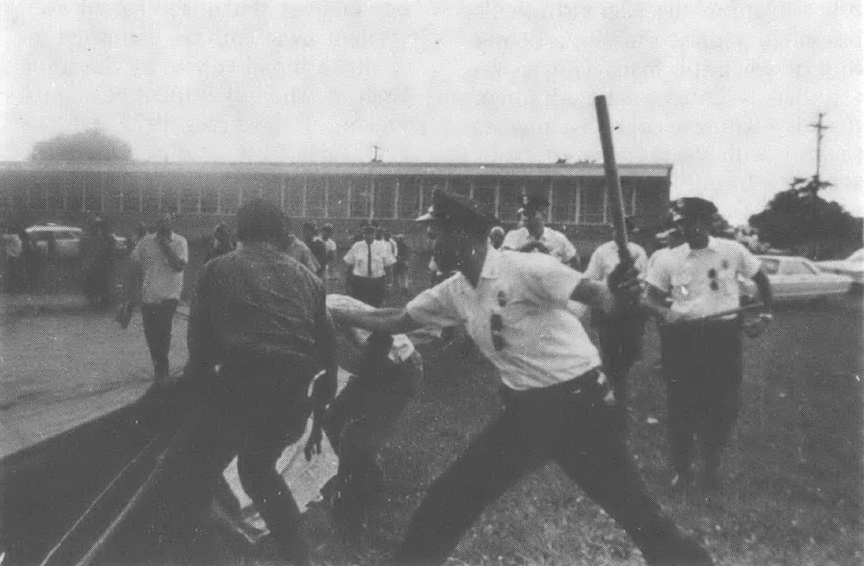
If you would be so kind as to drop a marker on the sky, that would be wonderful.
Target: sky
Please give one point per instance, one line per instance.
(723, 91)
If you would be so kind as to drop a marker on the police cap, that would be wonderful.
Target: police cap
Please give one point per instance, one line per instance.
(692, 208)
(456, 211)
(531, 204)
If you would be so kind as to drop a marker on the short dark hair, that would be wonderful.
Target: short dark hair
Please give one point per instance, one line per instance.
(260, 220)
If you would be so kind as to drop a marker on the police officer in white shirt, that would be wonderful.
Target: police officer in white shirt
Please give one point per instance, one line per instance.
(557, 402)
(620, 337)
(367, 261)
(534, 236)
(701, 358)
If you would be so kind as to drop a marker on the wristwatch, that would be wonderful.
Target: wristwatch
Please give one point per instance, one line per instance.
(766, 316)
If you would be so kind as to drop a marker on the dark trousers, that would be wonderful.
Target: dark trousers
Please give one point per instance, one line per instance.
(620, 341)
(570, 425)
(702, 365)
(370, 290)
(157, 320)
(360, 421)
(253, 411)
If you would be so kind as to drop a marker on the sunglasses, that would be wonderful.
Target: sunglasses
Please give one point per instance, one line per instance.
(496, 326)
(712, 274)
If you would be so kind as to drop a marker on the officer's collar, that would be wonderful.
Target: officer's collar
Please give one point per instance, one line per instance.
(491, 263)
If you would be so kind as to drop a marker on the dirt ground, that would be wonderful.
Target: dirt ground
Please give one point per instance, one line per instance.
(793, 475)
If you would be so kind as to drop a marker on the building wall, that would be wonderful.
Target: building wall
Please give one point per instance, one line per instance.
(202, 198)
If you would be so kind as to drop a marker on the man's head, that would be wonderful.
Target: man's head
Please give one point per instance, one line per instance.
(369, 233)
(310, 230)
(458, 227)
(327, 231)
(221, 233)
(694, 217)
(532, 213)
(260, 221)
(163, 224)
(496, 236)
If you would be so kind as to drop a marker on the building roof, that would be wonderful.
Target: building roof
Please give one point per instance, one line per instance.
(333, 168)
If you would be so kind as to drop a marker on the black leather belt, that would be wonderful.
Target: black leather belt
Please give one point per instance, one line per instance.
(590, 384)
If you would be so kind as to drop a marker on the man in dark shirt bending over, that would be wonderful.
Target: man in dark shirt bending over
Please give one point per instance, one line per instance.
(261, 318)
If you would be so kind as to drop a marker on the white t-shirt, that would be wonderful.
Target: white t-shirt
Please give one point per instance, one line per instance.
(558, 244)
(605, 259)
(358, 257)
(161, 282)
(544, 342)
(402, 347)
(703, 282)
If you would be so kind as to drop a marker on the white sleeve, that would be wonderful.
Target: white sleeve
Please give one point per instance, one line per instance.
(184, 249)
(660, 275)
(641, 260)
(568, 249)
(748, 265)
(593, 271)
(548, 280)
(435, 306)
(511, 240)
(349, 257)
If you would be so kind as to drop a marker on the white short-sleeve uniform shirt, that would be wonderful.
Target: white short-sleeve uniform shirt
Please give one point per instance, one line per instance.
(544, 342)
(703, 282)
(605, 259)
(558, 244)
(359, 254)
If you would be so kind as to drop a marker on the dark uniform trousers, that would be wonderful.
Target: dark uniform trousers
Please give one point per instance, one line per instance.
(157, 319)
(702, 366)
(360, 421)
(253, 411)
(620, 340)
(570, 425)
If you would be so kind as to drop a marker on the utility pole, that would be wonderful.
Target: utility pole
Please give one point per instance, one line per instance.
(819, 127)
(375, 157)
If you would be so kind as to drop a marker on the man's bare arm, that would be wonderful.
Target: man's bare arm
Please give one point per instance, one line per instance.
(390, 320)
(764, 287)
(176, 262)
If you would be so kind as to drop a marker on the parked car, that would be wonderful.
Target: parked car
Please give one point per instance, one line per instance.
(67, 240)
(795, 278)
(852, 266)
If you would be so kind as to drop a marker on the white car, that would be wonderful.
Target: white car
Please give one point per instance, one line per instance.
(796, 278)
(852, 266)
(67, 240)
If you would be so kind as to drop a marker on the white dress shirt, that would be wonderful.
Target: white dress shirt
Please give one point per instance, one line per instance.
(358, 258)
(161, 282)
(605, 259)
(558, 244)
(703, 282)
(544, 342)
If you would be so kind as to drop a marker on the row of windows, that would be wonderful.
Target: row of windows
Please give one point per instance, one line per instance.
(581, 200)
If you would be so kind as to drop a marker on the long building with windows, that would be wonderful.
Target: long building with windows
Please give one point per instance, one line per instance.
(345, 194)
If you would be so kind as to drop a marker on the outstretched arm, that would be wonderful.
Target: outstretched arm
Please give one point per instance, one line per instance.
(389, 320)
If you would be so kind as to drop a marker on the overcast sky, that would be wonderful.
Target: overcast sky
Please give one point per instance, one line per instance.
(724, 91)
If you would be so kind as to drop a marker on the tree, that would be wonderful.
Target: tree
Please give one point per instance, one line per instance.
(90, 145)
(798, 218)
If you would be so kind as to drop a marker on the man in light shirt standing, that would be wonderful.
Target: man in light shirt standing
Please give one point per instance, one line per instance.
(557, 402)
(158, 261)
(702, 361)
(535, 236)
(620, 337)
(367, 261)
